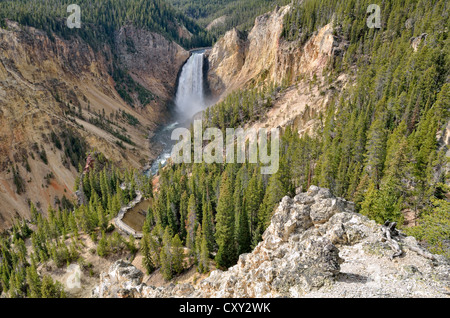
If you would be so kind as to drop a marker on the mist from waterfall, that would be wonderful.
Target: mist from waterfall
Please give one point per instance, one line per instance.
(190, 99)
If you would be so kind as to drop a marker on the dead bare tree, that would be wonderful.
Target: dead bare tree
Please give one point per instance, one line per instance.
(390, 233)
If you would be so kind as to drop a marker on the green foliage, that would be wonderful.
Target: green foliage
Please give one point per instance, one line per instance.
(227, 252)
(43, 155)
(18, 180)
(177, 255)
(51, 289)
(241, 107)
(101, 18)
(239, 13)
(434, 228)
(133, 121)
(147, 261)
(102, 246)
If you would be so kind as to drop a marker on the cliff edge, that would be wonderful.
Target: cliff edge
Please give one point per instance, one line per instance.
(315, 246)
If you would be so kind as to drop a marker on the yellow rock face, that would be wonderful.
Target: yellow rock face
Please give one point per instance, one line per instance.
(43, 82)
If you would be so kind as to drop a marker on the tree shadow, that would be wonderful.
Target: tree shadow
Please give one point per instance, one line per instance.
(351, 278)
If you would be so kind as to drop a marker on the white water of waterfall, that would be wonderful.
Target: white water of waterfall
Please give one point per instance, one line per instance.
(189, 99)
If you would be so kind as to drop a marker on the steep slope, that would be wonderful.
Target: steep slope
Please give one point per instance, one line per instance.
(237, 61)
(151, 60)
(219, 16)
(263, 57)
(315, 246)
(58, 100)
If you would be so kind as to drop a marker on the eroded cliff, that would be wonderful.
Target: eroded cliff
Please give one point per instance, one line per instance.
(237, 62)
(315, 246)
(51, 86)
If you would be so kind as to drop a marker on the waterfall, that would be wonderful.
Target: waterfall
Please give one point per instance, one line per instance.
(189, 99)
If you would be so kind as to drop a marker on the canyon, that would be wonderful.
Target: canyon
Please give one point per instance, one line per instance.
(45, 85)
(62, 98)
(52, 85)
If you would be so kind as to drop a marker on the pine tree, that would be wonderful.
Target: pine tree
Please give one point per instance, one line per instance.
(171, 216)
(208, 225)
(369, 203)
(252, 197)
(51, 289)
(183, 215)
(102, 247)
(375, 155)
(243, 234)
(203, 263)
(102, 220)
(154, 250)
(177, 255)
(34, 212)
(191, 224)
(34, 282)
(147, 262)
(274, 194)
(166, 257)
(227, 253)
(132, 244)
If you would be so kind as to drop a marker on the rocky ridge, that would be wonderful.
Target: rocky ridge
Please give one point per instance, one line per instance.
(315, 246)
(238, 61)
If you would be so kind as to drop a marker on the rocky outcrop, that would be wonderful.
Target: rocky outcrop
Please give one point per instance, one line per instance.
(226, 60)
(217, 22)
(315, 246)
(415, 41)
(150, 58)
(236, 61)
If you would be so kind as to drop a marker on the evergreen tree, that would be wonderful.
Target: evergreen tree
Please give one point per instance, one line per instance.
(102, 247)
(203, 263)
(166, 257)
(147, 262)
(243, 234)
(191, 223)
(34, 282)
(208, 225)
(227, 253)
(177, 255)
(51, 289)
(252, 201)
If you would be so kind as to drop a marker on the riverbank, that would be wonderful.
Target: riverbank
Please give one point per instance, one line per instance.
(118, 221)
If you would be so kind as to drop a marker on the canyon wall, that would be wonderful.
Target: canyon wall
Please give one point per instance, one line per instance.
(50, 85)
(238, 61)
